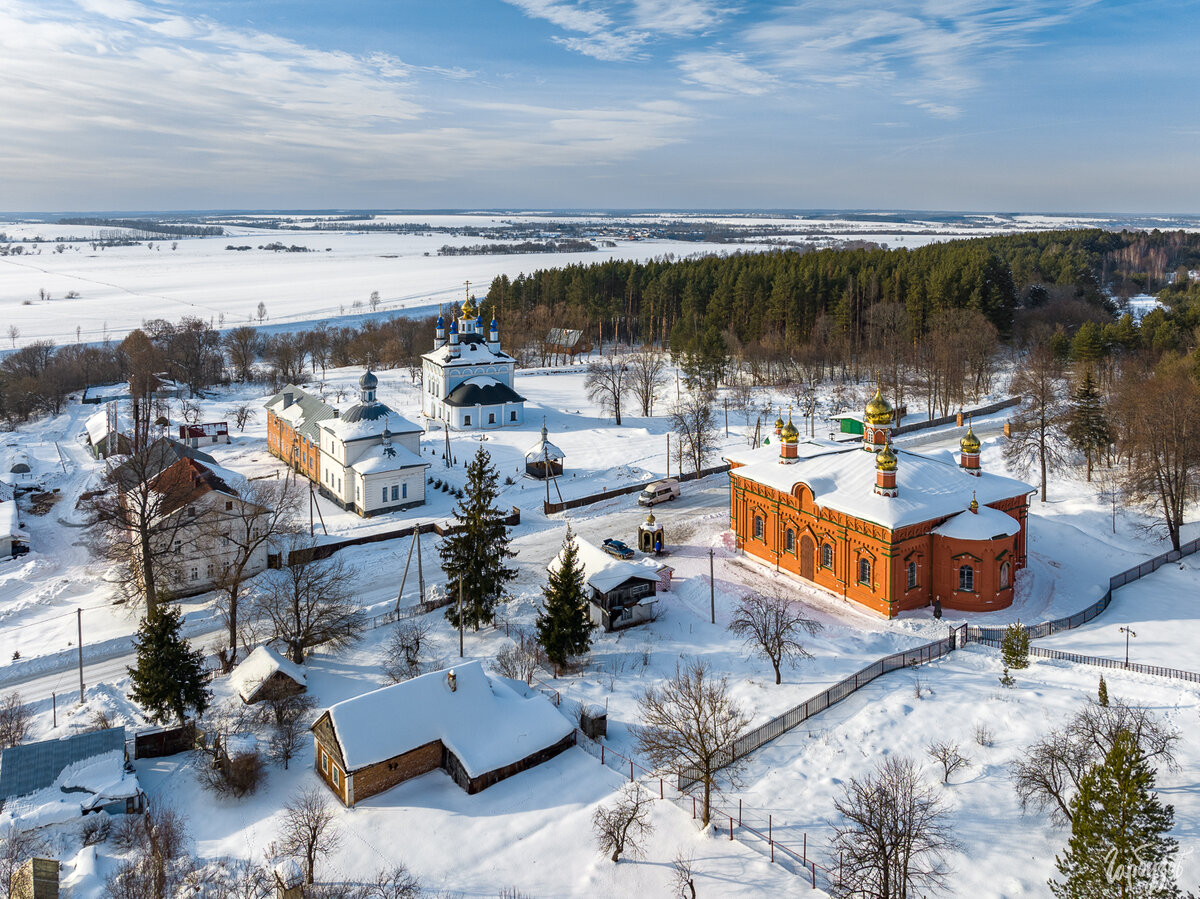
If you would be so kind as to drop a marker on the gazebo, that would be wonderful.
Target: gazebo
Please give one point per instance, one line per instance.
(544, 459)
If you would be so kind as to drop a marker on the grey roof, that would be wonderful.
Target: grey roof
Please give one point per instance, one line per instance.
(468, 394)
(563, 337)
(35, 766)
(367, 412)
(313, 411)
(368, 381)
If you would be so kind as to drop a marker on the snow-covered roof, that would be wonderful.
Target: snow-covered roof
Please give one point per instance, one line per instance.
(986, 524)
(482, 390)
(10, 519)
(382, 458)
(97, 423)
(81, 786)
(843, 478)
(604, 572)
(305, 411)
(484, 721)
(257, 667)
(360, 427)
(471, 350)
(240, 744)
(544, 450)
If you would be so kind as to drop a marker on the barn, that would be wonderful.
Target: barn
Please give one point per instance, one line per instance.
(265, 674)
(477, 728)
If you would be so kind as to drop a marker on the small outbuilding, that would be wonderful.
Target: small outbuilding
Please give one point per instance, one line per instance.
(108, 431)
(478, 728)
(58, 780)
(12, 538)
(544, 459)
(621, 593)
(266, 674)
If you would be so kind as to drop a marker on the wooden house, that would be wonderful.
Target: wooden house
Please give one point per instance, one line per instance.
(266, 674)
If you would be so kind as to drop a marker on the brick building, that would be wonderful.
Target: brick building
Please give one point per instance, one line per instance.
(477, 728)
(889, 529)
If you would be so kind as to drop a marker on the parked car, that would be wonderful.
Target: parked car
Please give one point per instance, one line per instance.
(617, 548)
(659, 492)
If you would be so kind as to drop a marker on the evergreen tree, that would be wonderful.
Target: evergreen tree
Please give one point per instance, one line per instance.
(1119, 848)
(1014, 647)
(1087, 425)
(169, 677)
(478, 546)
(564, 625)
(1102, 693)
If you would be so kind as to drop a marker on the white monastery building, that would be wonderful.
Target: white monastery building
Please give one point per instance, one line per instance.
(468, 380)
(371, 456)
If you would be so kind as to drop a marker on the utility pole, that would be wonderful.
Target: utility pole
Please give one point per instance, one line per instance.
(1128, 632)
(668, 454)
(712, 590)
(79, 622)
(460, 618)
(726, 416)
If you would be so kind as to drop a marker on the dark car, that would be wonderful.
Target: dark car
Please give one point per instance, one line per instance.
(618, 549)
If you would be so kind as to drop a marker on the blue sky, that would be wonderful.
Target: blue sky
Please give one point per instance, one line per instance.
(1025, 105)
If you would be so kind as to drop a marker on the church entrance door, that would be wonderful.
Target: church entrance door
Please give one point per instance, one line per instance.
(808, 554)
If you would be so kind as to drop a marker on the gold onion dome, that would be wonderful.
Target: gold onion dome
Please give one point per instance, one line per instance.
(879, 411)
(969, 443)
(885, 459)
(469, 310)
(779, 423)
(790, 434)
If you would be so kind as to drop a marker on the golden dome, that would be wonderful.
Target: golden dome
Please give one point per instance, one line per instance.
(469, 310)
(790, 434)
(879, 411)
(885, 459)
(969, 443)
(779, 423)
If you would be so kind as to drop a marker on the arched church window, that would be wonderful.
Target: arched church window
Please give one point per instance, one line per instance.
(912, 575)
(864, 571)
(758, 527)
(826, 555)
(790, 540)
(1005, 574)
(966, 578)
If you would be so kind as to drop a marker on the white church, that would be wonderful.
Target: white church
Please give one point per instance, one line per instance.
(468, 380)
(371, 456)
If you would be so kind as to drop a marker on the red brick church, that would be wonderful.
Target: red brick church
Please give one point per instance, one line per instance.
(886, 528)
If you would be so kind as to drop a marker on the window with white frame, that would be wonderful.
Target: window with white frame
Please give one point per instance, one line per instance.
(758, 527)
(395, 492)
(912, 575)
(826, 555)
(966, 578)
(864, 571)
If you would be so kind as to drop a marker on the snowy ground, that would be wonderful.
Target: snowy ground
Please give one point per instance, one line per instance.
(520, 832)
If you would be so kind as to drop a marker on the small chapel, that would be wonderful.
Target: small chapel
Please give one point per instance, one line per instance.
(889, 529)
(468, 379)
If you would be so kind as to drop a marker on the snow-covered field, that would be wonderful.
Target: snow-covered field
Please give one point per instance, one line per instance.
(533, 831)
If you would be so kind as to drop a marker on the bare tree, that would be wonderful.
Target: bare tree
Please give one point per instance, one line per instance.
(289, 715)
(242, 345)
(1155, 419)
(137, 519)
(622, 828)
(647, 374)
(947, 754)
(695, 428)
(772, 626)
(521, 659)
(374, 300)
(1038, 436)
(262, 515)
(607, 381)
(893, 835)
(1047, 775)
(683, 878)
(405, 653)
(689, 726)
(242, 414)
(262, 311)
(307, 830)
(309, 603)
(14, 720)
(15, 847)
(190, 412)
(13, 333)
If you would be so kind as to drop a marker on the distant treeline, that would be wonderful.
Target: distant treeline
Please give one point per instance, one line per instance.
(528, 246)
(780, 297)
(149, 227)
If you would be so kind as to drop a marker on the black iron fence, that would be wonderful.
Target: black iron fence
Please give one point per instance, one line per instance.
(1100, 662)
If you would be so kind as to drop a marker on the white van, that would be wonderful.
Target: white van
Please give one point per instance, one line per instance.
(659, 492)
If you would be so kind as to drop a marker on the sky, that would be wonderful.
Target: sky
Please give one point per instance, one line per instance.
(973, 105)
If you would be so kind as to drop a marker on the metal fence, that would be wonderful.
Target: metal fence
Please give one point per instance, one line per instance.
(1101, 662)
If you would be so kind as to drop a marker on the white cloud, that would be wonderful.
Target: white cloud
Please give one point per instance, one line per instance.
(724, 73)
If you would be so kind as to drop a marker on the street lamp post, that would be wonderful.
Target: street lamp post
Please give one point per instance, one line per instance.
(1128, 632)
